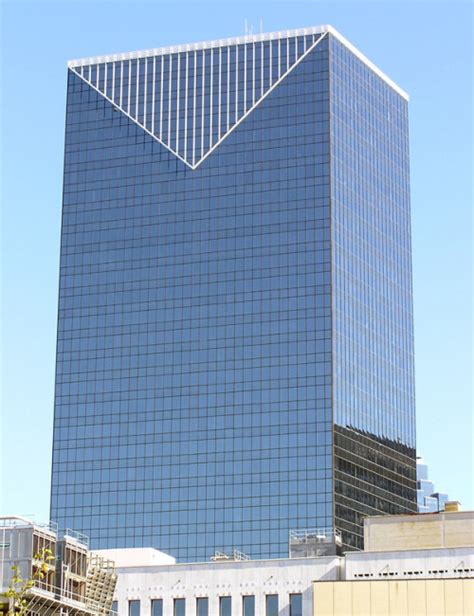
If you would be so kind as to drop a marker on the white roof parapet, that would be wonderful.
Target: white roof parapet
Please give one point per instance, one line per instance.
(18, 521)
(235, 40)
(136, 557)
(240, 40)
(367, 62)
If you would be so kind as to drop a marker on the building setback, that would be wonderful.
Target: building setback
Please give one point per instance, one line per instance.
(235, 332)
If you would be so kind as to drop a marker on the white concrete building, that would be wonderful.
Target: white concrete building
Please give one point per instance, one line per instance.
(159, 588)
(290, 579)
(62, 576)
(151, 583)
(409, 564)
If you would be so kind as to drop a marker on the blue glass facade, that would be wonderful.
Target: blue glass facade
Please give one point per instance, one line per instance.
(428, 500)
(214, 301)
(372, 284)
(373, 369)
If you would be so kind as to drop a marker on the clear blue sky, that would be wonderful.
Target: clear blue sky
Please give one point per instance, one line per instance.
(426, 47)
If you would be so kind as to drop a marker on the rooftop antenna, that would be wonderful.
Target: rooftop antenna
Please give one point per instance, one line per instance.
(248, 28)
(261, 26)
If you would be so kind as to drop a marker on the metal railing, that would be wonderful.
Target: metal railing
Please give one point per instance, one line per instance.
(328, 534)
(76, 536)
(235, 555)
(67, 597)
(17, 521)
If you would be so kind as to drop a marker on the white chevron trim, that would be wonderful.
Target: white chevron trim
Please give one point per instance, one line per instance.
(187, 127)
(261, 99)
(131, 117)
(250, 38)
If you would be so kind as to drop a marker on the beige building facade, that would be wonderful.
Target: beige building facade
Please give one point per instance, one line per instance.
(411, 532)
(412, 565)
(434, 597)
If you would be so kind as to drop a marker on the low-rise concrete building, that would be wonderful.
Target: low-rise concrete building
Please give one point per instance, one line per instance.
(411, 532)
(394, 598)
(404, 571)
(150, 583)
(66, 578)
(292, 586)
(413, 565)
(222, 587)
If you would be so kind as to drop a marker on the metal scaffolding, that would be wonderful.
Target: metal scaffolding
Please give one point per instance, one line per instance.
(70, 581)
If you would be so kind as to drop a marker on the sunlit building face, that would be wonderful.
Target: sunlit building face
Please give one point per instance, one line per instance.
(235, 345)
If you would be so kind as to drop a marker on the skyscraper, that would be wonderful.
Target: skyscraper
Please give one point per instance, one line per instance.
(428, 500)
(235, 345)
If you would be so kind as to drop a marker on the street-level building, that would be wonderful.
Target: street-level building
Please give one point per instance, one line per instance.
(445, 529)
(150, 584)
(434, 597)
(280, 587)
(420, 565)
(225, 587)
(66, 578)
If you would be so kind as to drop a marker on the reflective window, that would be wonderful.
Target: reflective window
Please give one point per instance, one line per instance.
(271, 605)
(179, 607)
(202, 606)
(214, 321)
(157, 607)
(372, 315)
(194, 337)
(225, 606)
(134, 608)
(248, 605)
(114, 608)
(296, 605)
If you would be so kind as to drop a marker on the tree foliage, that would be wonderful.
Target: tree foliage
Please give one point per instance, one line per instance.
(18, 590)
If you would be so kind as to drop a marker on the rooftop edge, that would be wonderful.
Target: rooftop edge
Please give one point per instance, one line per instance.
(239, 40)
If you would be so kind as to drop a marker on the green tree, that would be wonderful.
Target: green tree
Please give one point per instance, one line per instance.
(17, 593)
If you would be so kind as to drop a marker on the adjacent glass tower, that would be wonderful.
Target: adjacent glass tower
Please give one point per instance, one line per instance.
(235, 334)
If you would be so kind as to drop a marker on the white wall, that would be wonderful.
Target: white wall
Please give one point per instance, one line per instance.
(137, 557)
(139, 580)
(213, 580)
(410, 564)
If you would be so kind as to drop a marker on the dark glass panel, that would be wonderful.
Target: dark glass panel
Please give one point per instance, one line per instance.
(296, 605)
(271, 605)
(134, 608)
(179, 607)
(157, 607)
(202, 606)
(225, 606)
(248, 605)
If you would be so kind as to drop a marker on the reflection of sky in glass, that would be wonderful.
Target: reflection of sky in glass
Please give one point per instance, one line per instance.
(196, 384)
(372, 302)
(193, 401)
